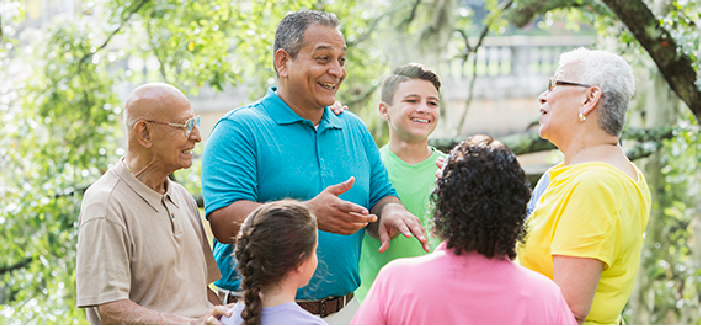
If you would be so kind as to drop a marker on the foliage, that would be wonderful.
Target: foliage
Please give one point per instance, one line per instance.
(59, 133)
(60, 92)
(669, 284)
(62, 106)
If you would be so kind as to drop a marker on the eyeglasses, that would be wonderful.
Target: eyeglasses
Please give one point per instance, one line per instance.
(552, 82)
(189, 124)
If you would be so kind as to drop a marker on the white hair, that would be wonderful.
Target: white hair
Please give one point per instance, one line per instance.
(615, 77)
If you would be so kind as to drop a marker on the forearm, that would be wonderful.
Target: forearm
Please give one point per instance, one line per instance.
(127, 312)
(578, 279)
(386, 203)
(213, 297)
(226, 221)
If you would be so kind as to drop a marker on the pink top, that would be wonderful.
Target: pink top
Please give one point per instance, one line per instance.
(443, 288)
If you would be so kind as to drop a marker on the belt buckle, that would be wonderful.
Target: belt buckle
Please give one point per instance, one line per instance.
(322, 308)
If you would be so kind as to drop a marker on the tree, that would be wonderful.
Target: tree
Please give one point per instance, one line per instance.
(60, 103)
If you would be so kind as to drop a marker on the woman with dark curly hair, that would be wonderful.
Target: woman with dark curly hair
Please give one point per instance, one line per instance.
(480, 207)
(276, 251)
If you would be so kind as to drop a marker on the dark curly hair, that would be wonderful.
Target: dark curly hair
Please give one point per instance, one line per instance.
(275, 239)
(480, 201)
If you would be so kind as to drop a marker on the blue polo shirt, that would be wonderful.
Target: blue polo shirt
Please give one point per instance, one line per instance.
(265, 152)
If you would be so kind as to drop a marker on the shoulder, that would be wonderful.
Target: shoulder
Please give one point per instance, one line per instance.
(289, 314)
(536, 281)
(253, 111)
(407, 267)
(100, 197)
(590, 176)
(349, 119)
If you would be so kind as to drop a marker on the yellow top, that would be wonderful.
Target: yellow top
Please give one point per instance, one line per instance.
(591, 210)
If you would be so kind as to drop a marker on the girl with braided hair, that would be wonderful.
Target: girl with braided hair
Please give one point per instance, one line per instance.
(276, 251)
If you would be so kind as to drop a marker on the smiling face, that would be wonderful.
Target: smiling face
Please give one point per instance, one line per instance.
(172, 149)
(314, 76)
(413, 116)
(560, 107)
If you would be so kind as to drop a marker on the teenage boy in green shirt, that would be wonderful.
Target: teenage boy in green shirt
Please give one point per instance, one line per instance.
(411, 106)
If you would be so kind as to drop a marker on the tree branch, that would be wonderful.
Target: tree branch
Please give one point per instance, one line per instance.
(109, 38)
(527, 10)
(22, 264)
(676, 67)
(485, 29)
(412, 15)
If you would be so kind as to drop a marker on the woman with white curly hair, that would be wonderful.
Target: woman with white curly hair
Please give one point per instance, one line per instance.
(586, 231)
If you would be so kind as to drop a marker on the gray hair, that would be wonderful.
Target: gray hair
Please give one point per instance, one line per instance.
(615, 77)
(289, 35)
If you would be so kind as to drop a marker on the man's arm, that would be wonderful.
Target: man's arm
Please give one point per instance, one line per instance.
(393, 218)
(226, 221)
(127, 312)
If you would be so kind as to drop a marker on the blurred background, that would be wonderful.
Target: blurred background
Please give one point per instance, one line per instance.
(66, 67)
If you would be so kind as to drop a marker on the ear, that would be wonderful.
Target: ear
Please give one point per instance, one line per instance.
(383, 108)
(591, 100)
(143, 134)
(281, 60)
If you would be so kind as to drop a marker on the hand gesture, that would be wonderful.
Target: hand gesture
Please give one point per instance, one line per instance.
(395, 220)
(336, 215)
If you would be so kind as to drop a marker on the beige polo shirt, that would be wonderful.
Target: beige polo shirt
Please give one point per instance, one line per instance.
(136, 244)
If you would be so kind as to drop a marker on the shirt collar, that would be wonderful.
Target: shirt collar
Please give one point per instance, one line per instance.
(148, 195)
(281, 113)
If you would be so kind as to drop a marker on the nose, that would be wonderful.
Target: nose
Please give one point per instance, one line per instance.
(422, 107)
(337, 70)
(195, 134)
(543, 97)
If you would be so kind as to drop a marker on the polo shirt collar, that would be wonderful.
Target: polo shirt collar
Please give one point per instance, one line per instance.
(148, 195)
(281, 113)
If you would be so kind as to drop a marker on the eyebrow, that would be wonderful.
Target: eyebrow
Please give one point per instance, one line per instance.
(328, 48)
(429, 97)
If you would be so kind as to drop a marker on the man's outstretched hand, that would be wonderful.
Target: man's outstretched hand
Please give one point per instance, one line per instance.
(336, 215)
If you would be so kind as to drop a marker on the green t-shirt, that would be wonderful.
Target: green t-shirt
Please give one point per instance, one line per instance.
(414, 184)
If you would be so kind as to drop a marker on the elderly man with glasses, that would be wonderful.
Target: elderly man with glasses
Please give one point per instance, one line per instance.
(143, 255)
(586, 229)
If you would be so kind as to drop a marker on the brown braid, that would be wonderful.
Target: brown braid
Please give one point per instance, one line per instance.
(275, 239)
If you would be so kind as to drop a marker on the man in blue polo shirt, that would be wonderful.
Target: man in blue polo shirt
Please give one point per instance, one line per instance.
(289, 145)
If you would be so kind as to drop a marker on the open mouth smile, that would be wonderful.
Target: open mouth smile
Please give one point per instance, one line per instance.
(328, 86)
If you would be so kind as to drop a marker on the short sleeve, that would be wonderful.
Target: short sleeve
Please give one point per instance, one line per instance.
(102, 271)
(229, 163)
(586, 224)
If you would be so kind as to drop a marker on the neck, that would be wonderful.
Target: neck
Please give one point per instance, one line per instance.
(410, 153)
(589, 148)
(145, 172)
(280, 293)
(313, 114)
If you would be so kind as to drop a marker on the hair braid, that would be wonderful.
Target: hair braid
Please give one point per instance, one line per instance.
(251, 271)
